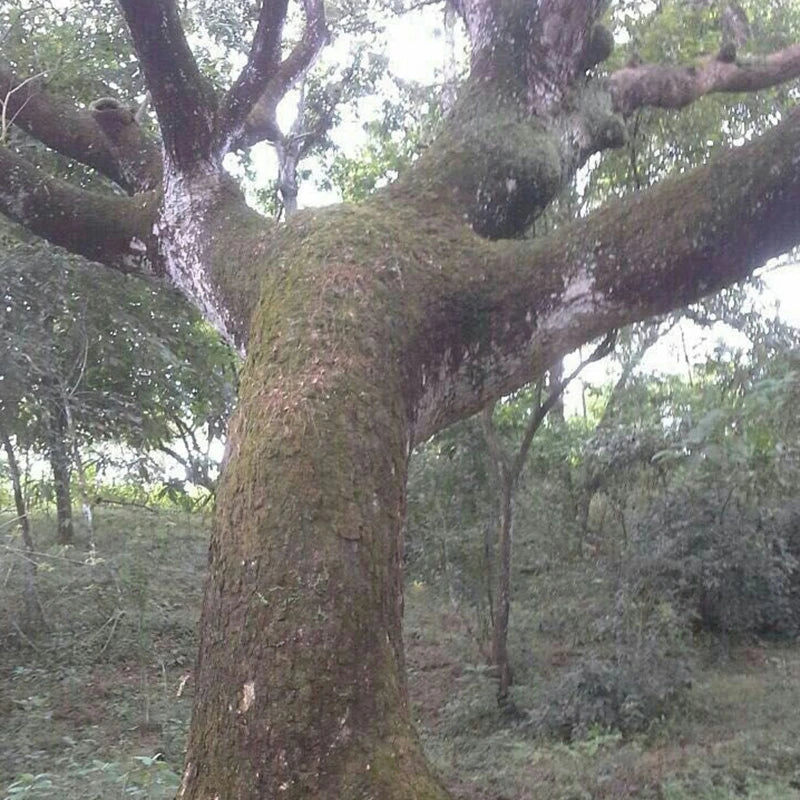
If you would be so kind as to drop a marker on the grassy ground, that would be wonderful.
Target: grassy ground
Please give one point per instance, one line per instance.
(98, 706)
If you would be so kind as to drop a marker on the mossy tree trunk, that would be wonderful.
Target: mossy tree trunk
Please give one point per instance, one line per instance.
(301, 685)
(369, 328)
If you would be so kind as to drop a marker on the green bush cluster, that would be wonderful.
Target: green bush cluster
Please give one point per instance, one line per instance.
(625, 694)
(730, 570)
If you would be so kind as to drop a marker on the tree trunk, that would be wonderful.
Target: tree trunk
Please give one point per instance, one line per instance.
(502, 614)
(60, 464)
(83, 485)
(301, 689)
(554, 377)
(34, 616)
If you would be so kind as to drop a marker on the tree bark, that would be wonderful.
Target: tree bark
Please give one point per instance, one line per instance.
(34, 616)
(301, 690)
(61, 467)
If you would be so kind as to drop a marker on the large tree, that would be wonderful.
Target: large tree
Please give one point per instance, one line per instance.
(370, 327)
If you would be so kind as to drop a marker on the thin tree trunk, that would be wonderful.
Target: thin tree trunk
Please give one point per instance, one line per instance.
(287, 177)
(507, 471)
(34, 616)
(83, 485)
(289, 154)
(488, 560)
(504, 481)
(60, 464)
(500, 627)
(554, 377)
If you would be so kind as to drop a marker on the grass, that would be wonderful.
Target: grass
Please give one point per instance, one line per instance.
(91, 707)
(98, 706)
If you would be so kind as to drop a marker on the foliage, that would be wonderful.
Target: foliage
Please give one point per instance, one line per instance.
(627, 694)
(142, 777)
(730, 571)
(139, 368)
(722, 540)
(449, 500)
(661, 142)
(402, 129)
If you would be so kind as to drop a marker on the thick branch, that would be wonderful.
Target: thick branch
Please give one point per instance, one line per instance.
(559, 50)
(264, 55)
(107, 228)
(544, 46)
(183, 99)
(261, 123)
(518, 306)
(110, 142)
(675, 87)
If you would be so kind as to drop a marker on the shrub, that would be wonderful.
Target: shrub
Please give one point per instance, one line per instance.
(730, 567)
(625, 694)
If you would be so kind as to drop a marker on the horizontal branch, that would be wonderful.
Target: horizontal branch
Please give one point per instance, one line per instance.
(184, 101)
(106, 228)
(664, 86)
(108, 141)
(512, 308)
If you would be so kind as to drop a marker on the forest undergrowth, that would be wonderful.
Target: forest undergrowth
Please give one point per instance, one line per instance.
(97, 706)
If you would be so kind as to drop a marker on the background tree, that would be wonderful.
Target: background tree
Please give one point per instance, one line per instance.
(507, 472)
(34, 616)
(132, 371)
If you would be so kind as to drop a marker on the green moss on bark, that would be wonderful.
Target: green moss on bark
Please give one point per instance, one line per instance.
(493, 162)
(304, 599)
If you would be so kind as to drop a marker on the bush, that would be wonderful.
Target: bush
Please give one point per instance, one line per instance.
(730, 568)
(625, 694)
